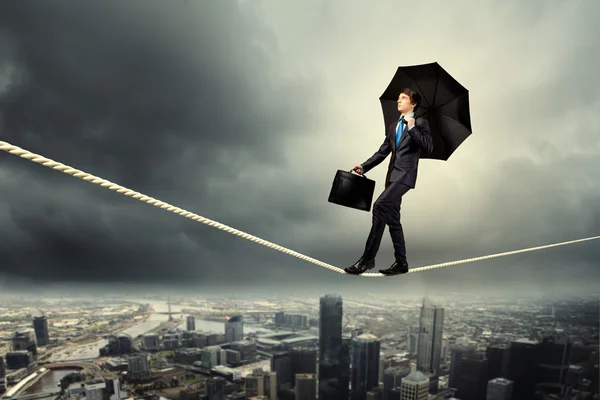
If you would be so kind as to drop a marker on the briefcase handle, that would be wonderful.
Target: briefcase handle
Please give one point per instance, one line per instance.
(363, 175)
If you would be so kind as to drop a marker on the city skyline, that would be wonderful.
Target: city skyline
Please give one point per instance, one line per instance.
(241, 114)
(481, 341)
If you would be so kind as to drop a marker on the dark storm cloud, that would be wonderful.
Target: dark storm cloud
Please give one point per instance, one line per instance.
(169, 99)
(200, 105)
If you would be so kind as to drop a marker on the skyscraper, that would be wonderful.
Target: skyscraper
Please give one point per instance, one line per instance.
(138, 367)
(413, 339)
(234, 329)
(431, 328)
(522, 366)
(365, 365)
(281, 362)
(499, 389)
(24, 341)
(2, 373)
(306, 387)
(40, 326)
(472, 380)
(191, 323)
(392, 378)
(304, 361)
(497, 356)
(333, 352)
(457, 355)
(415, 386)
(214, 388)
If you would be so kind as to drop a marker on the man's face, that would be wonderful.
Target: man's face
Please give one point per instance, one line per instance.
(404, 104)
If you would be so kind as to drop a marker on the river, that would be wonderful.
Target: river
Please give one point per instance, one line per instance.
(48, 382)
(91, 350)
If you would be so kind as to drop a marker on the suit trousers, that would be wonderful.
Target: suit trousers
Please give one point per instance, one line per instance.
(386, 211)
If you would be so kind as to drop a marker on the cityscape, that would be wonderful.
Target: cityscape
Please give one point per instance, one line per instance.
(185, 186)
(323, 347)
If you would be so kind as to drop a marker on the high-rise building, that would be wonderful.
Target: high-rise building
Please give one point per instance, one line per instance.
(304, 361)
(306, 387)
(261, 383)
(191, 323)
(254, 385)
(2, 373)
(497, 356)
(151, 342)
(19, 359)
(415, 386)
(392, 378)
(279, 318)
(24, 341)
(457, 354)
(234, 329)
(522, 365)
(553, 364)
(281, 363)
(120, 343)
(431, 328)
(345, 358)
(138, 367)
(413, 339)
(365, 365)
(471, 382)
(271, 385)
(94, 389)
(333, 351)
(214, 388)
(40, 326)
(499, 389)
(213, 356)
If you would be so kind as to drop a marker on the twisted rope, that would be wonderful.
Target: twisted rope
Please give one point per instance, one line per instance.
(9, 148)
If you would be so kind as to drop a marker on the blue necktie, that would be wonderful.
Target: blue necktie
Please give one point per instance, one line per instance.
(399, 130)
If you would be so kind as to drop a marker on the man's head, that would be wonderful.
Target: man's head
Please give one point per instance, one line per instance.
(408, 101)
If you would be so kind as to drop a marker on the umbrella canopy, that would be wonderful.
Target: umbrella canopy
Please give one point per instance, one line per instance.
(444, 102)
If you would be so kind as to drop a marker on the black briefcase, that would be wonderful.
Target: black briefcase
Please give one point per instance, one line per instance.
(352, 190)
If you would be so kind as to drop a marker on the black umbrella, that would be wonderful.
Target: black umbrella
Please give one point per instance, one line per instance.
(444, 102)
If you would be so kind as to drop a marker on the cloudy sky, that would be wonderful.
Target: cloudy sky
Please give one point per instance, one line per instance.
(242, 111)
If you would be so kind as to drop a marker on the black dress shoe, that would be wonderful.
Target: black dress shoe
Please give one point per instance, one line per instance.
(360, 266)
(397, 268)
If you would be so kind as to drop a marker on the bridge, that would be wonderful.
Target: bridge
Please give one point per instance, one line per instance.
(90, 366)
(167, 313)
(35, 396)
(94, 369)
(14, 392)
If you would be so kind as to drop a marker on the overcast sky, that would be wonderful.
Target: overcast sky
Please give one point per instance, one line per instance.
(243, 111)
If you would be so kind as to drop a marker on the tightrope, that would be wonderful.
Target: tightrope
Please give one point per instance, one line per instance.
(12, 149)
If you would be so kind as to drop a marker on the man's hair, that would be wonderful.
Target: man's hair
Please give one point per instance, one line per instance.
(415, 98)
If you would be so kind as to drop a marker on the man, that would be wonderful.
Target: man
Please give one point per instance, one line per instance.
(406, 139)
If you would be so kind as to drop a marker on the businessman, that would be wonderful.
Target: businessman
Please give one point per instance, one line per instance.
(406, 139)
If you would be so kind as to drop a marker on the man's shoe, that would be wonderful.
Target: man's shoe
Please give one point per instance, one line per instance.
(397, 268)
(360, 266)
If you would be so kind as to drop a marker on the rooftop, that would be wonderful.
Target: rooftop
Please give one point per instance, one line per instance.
(367, 337)
(416, 376)
(300, 339)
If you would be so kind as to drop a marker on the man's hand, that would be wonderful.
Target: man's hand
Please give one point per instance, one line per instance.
(358, 169)
(410, 122)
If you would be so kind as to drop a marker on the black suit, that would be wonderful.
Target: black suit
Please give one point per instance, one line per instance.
(400, 178)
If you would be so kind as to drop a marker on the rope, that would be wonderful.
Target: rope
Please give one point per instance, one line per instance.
(9, 148)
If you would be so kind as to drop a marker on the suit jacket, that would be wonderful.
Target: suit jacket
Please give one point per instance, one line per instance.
(405, 159)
